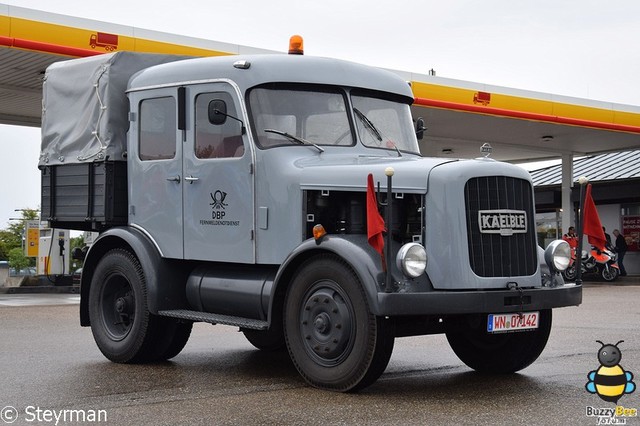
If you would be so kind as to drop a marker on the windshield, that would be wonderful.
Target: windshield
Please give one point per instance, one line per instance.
(384, 123)
(296, 114)
(291, 115)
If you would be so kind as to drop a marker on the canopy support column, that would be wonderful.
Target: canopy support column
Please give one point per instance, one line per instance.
(567, 185)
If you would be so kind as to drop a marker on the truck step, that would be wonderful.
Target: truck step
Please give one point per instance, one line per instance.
(215, 319)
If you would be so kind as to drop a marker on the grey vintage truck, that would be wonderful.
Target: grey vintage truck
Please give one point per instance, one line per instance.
(233, 190)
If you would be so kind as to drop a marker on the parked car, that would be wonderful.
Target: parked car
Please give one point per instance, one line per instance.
(76, 276)
(29, 271)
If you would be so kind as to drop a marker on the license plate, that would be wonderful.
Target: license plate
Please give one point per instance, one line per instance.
(502, 323)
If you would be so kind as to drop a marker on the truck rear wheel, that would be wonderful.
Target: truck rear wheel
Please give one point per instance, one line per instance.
(334, 340)
(499, 353)
(122, 326)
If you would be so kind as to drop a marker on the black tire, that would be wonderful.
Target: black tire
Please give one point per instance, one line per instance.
(570, 273)
(121, 323)
(609, 274)
(334, 340)
(172, 337)
(271, 340)
(499, 353)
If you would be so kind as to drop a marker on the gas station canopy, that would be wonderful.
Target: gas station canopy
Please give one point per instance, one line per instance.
(460, 116)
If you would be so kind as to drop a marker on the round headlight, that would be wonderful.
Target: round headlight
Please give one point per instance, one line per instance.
(412, 260)
(558, 255)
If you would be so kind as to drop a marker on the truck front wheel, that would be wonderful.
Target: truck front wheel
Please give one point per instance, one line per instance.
(499, 353)
(334, 340)
(122, 326)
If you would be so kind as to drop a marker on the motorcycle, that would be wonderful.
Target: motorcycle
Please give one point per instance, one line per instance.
(601, 262)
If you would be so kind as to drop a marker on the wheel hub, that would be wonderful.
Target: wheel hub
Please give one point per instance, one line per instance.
(322, 323)
(121, 305)
(124, 310)
(124, 305)
(326, 324)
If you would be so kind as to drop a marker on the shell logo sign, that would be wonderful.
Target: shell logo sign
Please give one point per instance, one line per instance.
(105, 40)
(482, 98)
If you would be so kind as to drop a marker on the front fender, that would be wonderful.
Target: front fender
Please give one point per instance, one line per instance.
(165, 280)
(352, 249)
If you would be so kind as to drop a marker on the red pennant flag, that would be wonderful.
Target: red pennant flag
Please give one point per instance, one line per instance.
(375, 223)
(592, 225)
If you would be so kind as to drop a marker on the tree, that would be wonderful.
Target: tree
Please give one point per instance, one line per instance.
(4, 249)
(76, 242)
(11, 237)
(17, 259)
(8, 240)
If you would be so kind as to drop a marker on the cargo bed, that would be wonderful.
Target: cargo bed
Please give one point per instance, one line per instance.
(86, 197)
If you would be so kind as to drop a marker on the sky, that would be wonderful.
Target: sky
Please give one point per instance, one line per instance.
(579, 48)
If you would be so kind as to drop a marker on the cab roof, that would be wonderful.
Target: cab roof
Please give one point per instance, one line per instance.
(261, 69)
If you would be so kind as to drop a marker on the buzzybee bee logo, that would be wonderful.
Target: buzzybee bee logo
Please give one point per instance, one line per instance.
(610, 381)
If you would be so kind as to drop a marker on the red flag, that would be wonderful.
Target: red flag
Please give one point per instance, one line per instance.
(375, 223)
(592, 225)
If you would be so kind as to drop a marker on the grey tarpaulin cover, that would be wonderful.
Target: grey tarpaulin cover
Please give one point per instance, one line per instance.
(85, 107)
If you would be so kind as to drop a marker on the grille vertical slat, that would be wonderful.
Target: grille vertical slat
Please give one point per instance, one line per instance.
(496, 255)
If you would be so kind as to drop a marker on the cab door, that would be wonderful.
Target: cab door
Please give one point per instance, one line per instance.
(218, 177)
(154, 170)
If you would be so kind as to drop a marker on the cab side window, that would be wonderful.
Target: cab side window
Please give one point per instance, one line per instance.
(217, 140)
(157, 138)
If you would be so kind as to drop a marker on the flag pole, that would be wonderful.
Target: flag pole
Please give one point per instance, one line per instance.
(375, 223)
(389, 219)
(583, 181)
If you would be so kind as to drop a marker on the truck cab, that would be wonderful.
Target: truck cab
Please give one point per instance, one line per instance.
(244, 199)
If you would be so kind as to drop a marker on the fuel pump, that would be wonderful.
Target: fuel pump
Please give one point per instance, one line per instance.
(53, 258)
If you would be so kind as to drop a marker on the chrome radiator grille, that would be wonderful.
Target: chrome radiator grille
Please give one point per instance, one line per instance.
(500, 252)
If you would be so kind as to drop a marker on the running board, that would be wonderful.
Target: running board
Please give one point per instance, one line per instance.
(215, 319)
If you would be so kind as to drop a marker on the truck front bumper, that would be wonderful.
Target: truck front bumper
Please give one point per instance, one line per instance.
(470, 302)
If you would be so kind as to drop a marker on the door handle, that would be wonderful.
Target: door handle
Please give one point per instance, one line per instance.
(176, 178)
(191, 179)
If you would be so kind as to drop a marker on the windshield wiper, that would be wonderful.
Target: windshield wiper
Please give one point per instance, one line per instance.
(368, 124)
(294, 138)
(372, 128)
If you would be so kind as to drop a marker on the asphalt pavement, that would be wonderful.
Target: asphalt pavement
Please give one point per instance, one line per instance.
(51, 367)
